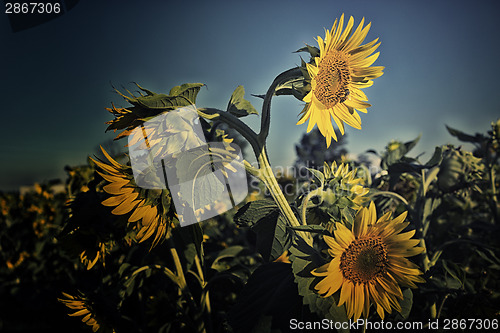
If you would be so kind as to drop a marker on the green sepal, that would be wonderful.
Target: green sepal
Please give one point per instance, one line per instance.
(313, 50)
(149, 105)
(187, 90)
(179, 96)
(295, 87)
(318, 175)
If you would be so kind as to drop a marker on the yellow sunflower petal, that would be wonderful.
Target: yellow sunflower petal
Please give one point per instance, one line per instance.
(337, 75)
(359, 300)
(127, 205)
(369, 263)
(343, 235)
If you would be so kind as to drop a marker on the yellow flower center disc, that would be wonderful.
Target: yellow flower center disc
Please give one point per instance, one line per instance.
(364, 260)
(333, 79)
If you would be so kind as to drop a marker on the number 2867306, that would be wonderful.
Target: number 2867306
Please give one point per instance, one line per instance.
(32, 8)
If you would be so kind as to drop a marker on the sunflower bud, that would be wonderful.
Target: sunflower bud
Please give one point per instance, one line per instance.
(339, 196)
(457, 169)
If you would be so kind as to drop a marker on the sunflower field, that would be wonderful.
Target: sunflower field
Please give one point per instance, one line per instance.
(380, 243)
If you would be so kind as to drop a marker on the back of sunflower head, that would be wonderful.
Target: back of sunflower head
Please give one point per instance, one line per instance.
(170, 151)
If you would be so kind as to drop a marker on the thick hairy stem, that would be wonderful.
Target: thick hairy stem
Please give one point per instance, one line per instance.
(235, 123)
(266, 106)
(257, 142)
(275, 190)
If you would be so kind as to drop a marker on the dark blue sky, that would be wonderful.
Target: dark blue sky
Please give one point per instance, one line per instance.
(441, 60)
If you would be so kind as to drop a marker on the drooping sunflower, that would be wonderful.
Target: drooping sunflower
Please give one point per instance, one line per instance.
(151, 210)
(337, 76)
(83, 309)
(369, 264)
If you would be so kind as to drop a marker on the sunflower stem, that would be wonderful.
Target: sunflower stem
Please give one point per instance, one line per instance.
(266, 106)
(306, 201)
(272, 184)
(432, 310)
(494, 205)
(184, 287)
(235, 123)
(257, 142)
(421, 228)
(441, 305)
(205, 301)
(390, 194)
(233, 159)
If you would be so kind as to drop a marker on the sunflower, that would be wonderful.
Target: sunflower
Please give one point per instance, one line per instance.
(369, 263)
(337, 77)
(83, 308)
(152, 211)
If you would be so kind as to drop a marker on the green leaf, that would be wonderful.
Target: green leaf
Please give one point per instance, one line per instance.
(431, 175)
(161, 102)
(348, 215)
(494, 261)
(463, 136)
(146, 107)
(436, 158)
(397, 154)
(428, 209)
(220, 263)
(235, 263)
(410, 144)
(319, 214)
(254, 212)
(404, 167)
(124, 267)
(273, 238)
(304, 259)
(282, 239)
(406, 304)
(238, 105)
(455, 277)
